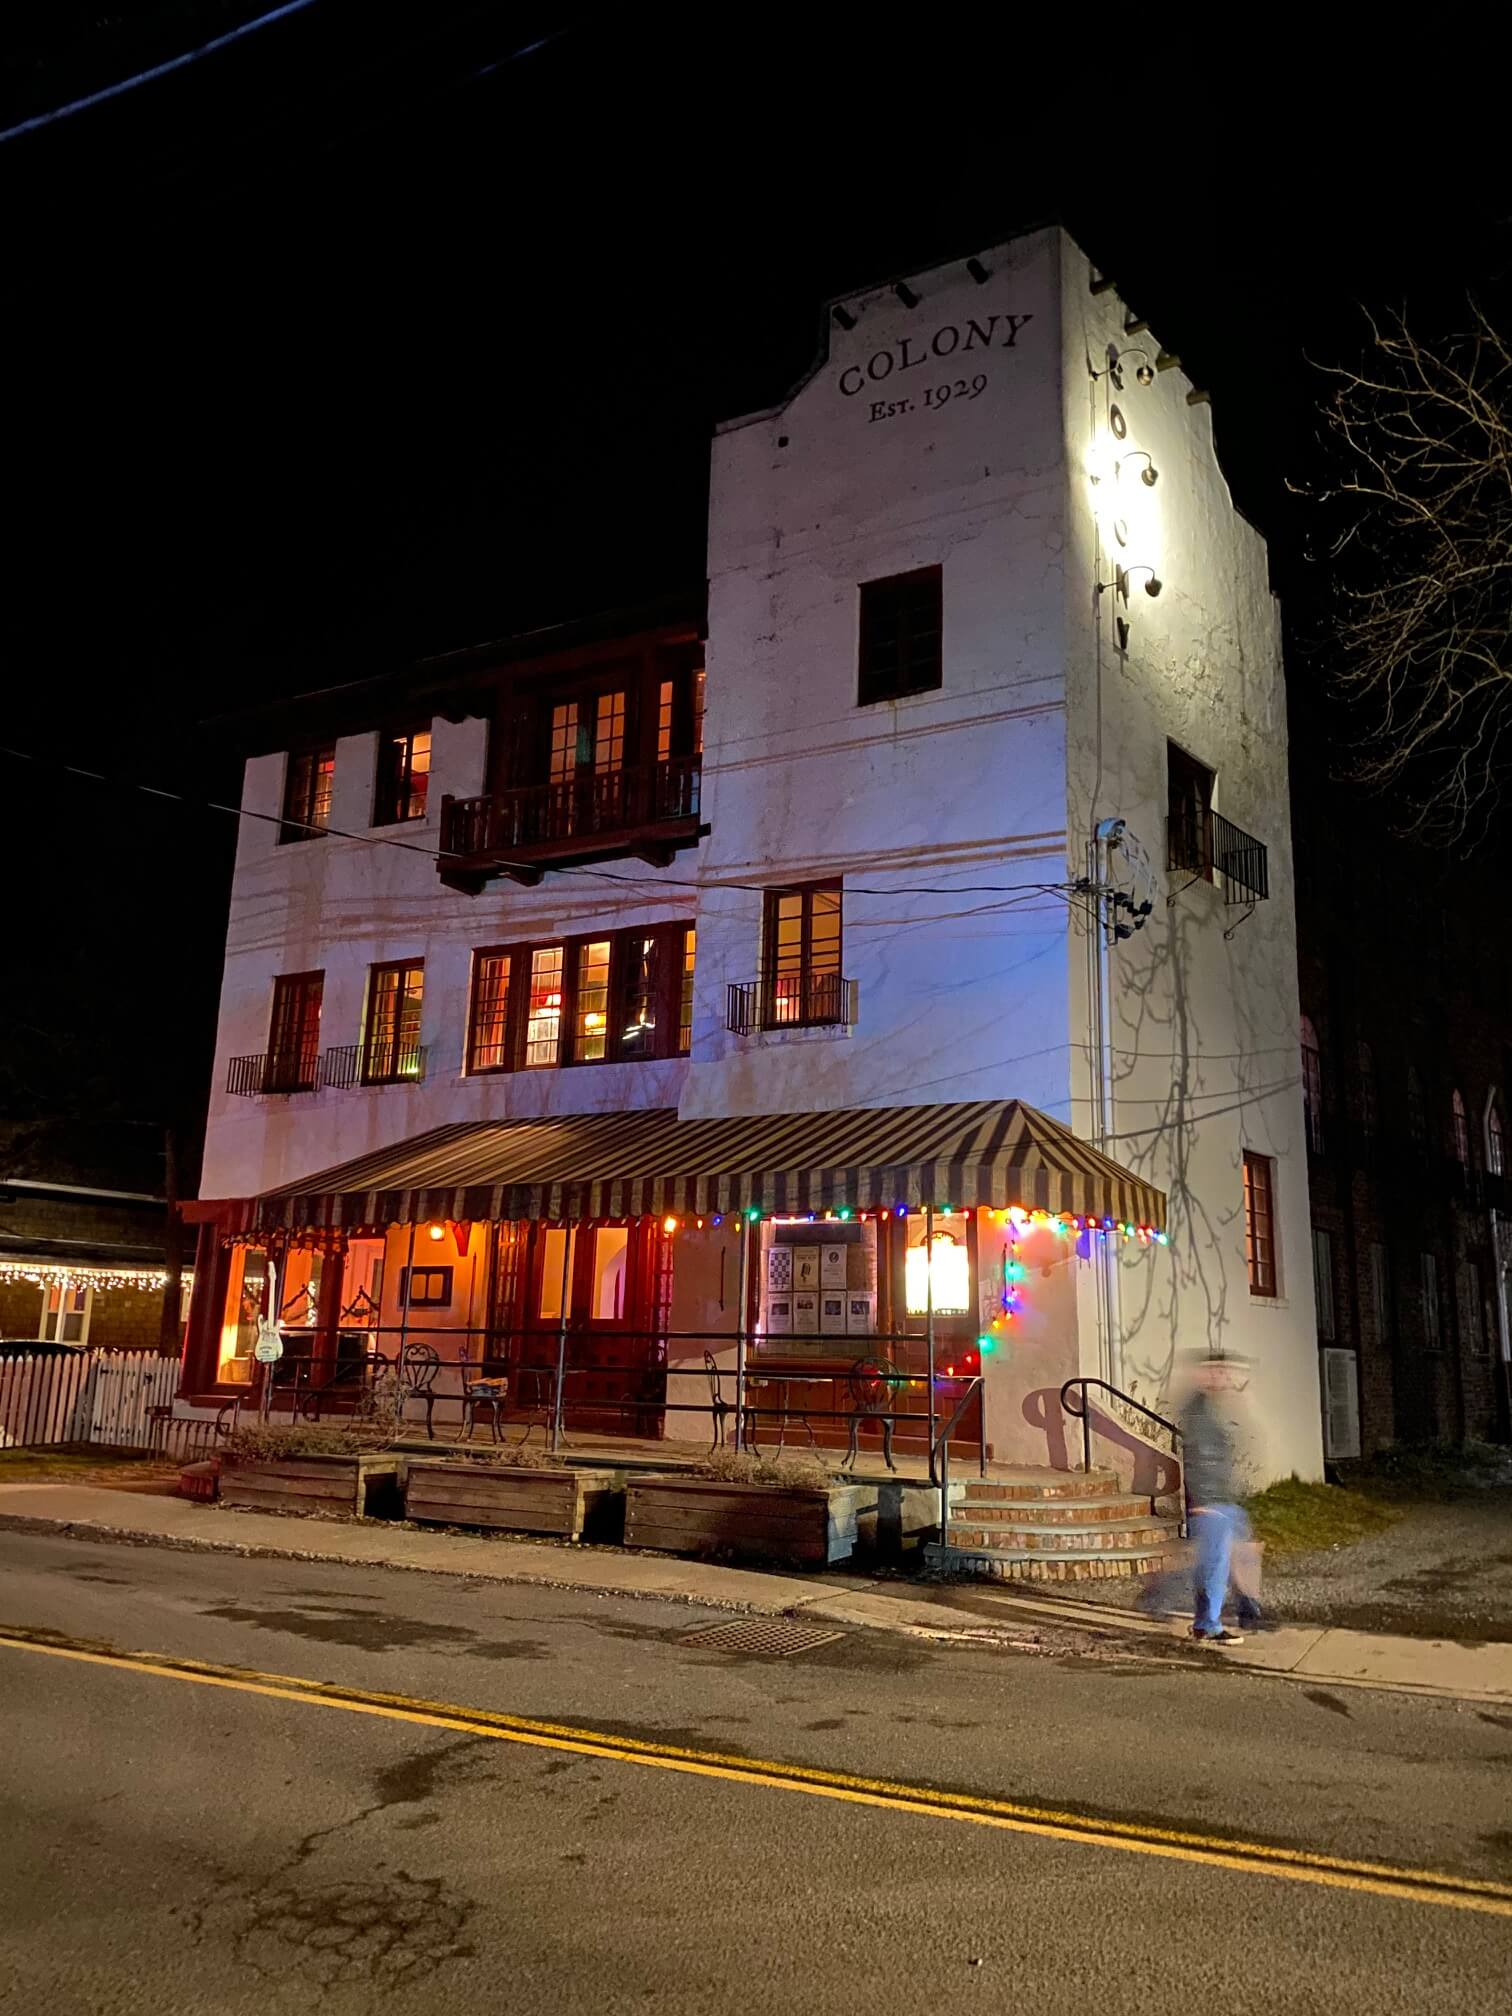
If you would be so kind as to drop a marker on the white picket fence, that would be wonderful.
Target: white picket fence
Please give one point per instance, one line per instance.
(105, 1397)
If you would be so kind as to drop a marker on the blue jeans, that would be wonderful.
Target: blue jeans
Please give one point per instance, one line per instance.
(1214, 1530)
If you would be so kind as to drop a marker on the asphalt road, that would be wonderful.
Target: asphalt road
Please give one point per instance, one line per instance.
(185, 1842)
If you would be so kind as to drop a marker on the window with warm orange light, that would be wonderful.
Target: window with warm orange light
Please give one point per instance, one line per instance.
(1260, 1223)
(309, 782)
(403, 788)
(938, 1276)
(391, 1035)
(543, 1027)
(590, 1021)
(618, 997)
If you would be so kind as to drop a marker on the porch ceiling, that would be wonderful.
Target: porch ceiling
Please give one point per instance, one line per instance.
(618, 1165)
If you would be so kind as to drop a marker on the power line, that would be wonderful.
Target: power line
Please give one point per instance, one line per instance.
(163, 69)
(438, 854)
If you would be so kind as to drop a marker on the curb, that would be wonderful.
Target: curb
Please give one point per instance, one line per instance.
(131, 1536)
(824, 1603)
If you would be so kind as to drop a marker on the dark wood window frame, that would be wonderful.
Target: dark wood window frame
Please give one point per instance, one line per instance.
(672, 944)
(432, 1287)
(1260, 1224)
(901, 647)
(293, 1059)
(820, 998)
(305, 794)
(1189, 813)
(369, 1050)
(396, 800)
(520, 738)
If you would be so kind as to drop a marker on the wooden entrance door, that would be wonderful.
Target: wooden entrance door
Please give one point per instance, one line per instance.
(608, 1273)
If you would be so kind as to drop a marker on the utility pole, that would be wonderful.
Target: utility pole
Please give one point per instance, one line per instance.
(1115, 915)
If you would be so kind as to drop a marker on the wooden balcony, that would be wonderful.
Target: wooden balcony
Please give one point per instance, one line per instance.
(647, 813)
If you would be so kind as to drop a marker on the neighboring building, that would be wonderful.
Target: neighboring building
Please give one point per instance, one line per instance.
(1407, 1073)
(83, 1239)
(986, 650)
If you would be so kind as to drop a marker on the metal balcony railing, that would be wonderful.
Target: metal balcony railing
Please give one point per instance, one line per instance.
(792, 1001)
(378, 1063)
(584, 811)
(1206, 844)
(272, 1071)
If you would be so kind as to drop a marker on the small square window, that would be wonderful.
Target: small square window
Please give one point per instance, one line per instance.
(425, 1287)
(901, 632)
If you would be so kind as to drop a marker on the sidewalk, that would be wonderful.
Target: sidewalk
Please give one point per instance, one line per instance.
(951, 1613)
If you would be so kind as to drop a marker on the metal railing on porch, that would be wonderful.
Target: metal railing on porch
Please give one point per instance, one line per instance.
(545, 1384)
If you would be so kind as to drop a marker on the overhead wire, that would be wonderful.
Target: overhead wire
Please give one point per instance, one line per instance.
(659, 881)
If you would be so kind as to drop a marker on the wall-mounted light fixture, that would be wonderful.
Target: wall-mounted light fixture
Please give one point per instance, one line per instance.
(1149, 475)
(1122, 577)
(1113, 370)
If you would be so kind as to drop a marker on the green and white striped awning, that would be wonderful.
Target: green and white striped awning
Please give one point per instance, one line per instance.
(998, 1153)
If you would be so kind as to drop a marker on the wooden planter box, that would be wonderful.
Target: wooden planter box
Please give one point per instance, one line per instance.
(351, 1484)
(697, 1515)
(560, 1502)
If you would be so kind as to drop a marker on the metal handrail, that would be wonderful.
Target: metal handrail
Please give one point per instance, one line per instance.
(1083, 1413)
(940, 1448)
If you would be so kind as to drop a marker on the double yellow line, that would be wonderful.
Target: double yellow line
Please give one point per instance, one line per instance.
(1254, 1858)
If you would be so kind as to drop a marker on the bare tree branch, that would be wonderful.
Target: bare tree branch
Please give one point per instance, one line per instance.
(1420, 508)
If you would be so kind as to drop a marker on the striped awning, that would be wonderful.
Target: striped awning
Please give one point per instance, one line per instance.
(619, 1165)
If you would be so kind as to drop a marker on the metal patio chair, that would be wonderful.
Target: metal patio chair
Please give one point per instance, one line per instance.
(721, 1409)
(484, 1396)
(873, 1384)
(418, 1367)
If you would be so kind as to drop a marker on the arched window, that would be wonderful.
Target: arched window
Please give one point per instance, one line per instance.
(1459, 1129)
(1417, 1112)
(1312, 1086)
(1368, 1115)
(1496, 1147)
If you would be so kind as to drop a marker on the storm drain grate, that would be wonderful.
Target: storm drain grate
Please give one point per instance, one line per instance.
(776, 1637)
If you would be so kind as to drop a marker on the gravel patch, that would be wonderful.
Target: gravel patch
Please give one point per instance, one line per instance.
(1442, 1571)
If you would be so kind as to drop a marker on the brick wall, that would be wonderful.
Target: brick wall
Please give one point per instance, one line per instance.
(1394, 952)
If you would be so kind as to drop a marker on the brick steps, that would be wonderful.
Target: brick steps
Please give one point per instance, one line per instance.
(1149, 1538)
(1045, 1488)
(1001, 1564)
(1051, 1527)
(1054, 1511)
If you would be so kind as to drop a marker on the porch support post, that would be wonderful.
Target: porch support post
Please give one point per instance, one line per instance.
(742, 1305)
(568, 1232)
(929, 1332)
(407, 1283)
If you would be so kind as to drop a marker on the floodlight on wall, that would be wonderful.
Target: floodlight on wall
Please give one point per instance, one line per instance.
(1149, 475)
(1144, 372)
(1122, 577)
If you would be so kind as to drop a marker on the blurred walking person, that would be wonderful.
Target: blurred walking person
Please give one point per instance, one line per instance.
(1216, 1521)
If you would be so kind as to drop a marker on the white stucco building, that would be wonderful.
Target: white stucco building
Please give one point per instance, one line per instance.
(829, 844)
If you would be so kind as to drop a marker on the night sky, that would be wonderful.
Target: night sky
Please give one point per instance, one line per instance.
(368, 337)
